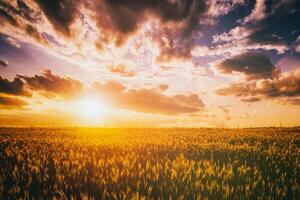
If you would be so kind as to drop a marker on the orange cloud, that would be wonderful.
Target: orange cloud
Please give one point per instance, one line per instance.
(122, 70)
(163, 87)
(287, 85)
(15, 87)
(149, 100)
(20, 16)
(140, 100)
(11, 103)
(51, 85)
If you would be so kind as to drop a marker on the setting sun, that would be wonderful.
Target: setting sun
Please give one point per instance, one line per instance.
(91, 109)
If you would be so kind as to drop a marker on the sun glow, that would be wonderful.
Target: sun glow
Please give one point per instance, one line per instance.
(92, 109)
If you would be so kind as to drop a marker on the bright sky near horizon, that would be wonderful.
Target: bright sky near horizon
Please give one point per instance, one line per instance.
(155, 63)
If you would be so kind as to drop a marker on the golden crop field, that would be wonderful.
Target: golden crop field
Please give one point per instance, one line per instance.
(90, 163)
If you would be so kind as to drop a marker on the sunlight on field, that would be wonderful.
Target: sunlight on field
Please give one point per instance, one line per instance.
(43, 163)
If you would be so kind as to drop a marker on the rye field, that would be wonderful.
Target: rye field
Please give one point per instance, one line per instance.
(94, 163)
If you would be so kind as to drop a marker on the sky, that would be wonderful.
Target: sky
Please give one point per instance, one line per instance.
(150, 63)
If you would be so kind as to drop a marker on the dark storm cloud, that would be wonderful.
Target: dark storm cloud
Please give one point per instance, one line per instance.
(27, 12)
(281, 18)
(270, 25)
(148, 100)
(121, 17)
(287, 85)
(61, 13)
(117, 19)
(3, 63)
(263, 36)
(253, 65)
(276, 28)
(15, 87)
(181, 21)
(51, 85)
(280, 23)
(11, 103)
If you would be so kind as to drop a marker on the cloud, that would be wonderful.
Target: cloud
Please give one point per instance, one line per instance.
(21, 18)
(60, 13)
(106, 24)
(15, 87)
(47, 84)
(258, 13)
(122, 70)
(33, 32)
(124, 17)
(3, 63)
(8, 13)
(163, 87)
(12, 41)
(250, 99)
(263, 36)
(269, 26)
(17, 13)
(293, 101)
(218, 8)
(242, 39)
(51, 85)
(11, 103)
(110, 87)
(225, 112)
(148, 100)
(171, 45)
(286, 86)
(252, 65)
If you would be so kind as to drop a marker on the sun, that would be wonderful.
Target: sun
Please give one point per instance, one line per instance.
(91, 108)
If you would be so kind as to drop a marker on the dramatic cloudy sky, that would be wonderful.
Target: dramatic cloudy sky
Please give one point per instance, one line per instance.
(150, 62)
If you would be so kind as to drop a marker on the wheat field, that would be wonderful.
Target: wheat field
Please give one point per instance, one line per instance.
(94, 163)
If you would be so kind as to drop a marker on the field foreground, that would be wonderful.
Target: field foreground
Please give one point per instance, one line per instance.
(88, 163)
